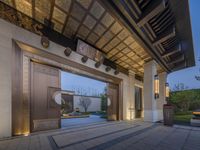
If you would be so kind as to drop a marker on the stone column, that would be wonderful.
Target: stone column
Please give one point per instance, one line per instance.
(162, 80)
(131, 106)
(150, 104)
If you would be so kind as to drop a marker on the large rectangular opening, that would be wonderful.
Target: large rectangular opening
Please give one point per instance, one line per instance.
(39, 107)
(84, 100)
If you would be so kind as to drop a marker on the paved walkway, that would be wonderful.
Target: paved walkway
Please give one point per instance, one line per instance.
(124, 135)
(68, 123)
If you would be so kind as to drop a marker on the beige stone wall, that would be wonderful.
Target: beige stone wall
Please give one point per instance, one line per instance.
(150, 113)
(5, 80)
(9, 32)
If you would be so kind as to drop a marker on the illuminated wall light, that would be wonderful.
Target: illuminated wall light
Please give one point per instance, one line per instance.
(156, 86)
(167, 90)
(26, 134)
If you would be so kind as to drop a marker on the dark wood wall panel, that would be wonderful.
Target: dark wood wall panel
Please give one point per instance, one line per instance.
(113, 100)
(45, 113)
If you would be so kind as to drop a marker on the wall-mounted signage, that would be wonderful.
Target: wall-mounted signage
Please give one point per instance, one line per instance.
(89, 51)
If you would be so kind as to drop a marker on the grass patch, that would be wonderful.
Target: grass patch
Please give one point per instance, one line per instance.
(182, 117)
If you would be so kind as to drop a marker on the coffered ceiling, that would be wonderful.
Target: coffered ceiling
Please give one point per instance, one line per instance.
(129, 32)
(93, 23)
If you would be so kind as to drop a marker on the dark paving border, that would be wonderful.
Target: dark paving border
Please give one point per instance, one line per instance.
(95, 125)
(110, 143)
(56, 147)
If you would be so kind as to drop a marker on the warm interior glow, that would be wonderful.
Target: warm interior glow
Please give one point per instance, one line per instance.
(26, 134)
(156, 86)
(167, 90)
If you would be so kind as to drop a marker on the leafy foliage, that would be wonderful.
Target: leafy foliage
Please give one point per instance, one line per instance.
(184, 99)
(103, 102)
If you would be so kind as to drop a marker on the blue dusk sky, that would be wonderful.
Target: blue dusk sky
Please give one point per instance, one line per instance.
(86, 85)
(186, 76)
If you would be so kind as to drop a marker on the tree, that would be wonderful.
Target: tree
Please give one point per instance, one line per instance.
(104, 100)
(180, 87)
(85, 102)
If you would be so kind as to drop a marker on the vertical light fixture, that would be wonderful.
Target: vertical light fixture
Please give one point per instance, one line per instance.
(167, 90)
(156, 86)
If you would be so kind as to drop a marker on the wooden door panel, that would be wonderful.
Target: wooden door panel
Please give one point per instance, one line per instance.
(43, 116)
(113, 97)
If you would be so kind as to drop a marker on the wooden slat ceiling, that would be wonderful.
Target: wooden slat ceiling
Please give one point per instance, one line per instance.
(90, 21)
(157, 23)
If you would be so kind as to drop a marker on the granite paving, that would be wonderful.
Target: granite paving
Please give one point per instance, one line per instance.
(103, 135)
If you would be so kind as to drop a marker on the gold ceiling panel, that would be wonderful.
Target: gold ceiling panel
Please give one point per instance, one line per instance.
(129, 40)
(97, 10)
(131, 54)
(129, 61)
(141, 63)
(93, 38)
(89, 22)
(71, 27)
(101, 42)
(118, 61)
(116, 27)
(57, 26)
(124, 58)
(84, 3)
(83, 32)
(43, 7)
(123, 34)
(99, 29)
(78, 12)
(24, 6)
(109, 55)
(63, 4)
(59, 15)
(121, 46)
(40, 16)
(113, 52)
(114, 42)
(135, 57)
(107, 20)
(135, 65)
(108, 35)
(107, 48)
(119, 55)
(126, 50)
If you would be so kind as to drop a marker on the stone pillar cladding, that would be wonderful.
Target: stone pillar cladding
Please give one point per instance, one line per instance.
(5, 80)
(150, 103)
(162, 94)
(131, 107)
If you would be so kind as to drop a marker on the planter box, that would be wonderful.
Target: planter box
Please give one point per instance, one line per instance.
(168, 114)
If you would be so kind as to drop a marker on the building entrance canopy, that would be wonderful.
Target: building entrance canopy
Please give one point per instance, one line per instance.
(128, 33)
